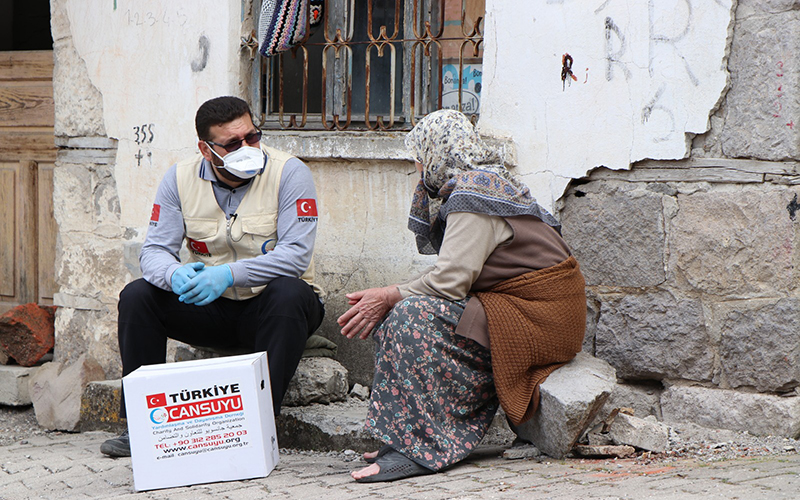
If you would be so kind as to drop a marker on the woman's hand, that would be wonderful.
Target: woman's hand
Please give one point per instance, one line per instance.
(368, 308)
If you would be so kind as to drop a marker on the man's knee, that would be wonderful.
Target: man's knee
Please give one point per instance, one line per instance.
(136, 290)
(288, 290)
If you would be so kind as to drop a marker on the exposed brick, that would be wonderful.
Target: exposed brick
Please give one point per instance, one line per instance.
(27, 332)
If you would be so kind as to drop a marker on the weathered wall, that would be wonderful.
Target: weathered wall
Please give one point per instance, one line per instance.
(645, 76)
(689, 256)
(691, 265)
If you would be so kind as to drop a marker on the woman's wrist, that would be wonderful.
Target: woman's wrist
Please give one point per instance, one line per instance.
(393, 295)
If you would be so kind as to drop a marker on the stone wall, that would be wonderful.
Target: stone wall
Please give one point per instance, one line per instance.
(691, 265)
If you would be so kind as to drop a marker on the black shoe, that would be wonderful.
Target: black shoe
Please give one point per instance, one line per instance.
(119, 446)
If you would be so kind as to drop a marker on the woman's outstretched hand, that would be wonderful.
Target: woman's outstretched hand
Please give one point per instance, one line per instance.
(368, 308)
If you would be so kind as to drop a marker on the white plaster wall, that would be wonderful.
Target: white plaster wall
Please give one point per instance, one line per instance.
(648, 74)
(154, 62)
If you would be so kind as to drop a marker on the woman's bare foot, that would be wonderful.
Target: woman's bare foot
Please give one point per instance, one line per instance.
(369, 470)
(371, 455)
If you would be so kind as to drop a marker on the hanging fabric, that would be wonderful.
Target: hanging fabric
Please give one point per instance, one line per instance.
(315, 13)
(282, 25)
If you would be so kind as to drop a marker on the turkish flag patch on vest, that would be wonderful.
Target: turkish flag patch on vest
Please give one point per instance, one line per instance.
(307, 210)
(199, 248)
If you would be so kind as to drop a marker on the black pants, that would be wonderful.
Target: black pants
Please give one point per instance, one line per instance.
(279, 321)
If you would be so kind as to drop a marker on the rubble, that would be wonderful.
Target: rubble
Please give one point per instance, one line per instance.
(27, 333)
(523, 451)
(56, 392)
(616, 451)
(360, 392)
(571, 397)
(14, 385)
(317, 380)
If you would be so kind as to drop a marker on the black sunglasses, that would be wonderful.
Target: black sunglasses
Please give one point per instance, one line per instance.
(251, 139)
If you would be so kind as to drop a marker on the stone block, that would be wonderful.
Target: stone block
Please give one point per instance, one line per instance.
(758, 414)
(734, 244)
(14, 385)
(617, 236)
(90, 332)
(333, 427)
(79, 104)
(56, 392)
(4, 359)
(27, 332)
(654, 336)
(763, 63)
(523, 451)
(640, 433)
(100, 405)
(597, 451)
(317, 380)
(759, 346)
(499, 432)
(570, 399)
(644, 399)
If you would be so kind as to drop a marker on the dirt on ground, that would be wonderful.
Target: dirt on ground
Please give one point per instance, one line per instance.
(17, 423)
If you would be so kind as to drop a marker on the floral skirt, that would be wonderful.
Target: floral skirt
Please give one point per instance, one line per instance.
(433, 396)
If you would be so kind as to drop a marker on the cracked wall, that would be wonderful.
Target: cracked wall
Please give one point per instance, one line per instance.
(582, 84)
(691, 265)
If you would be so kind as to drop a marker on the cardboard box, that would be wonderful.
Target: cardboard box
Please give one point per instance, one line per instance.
(201, 421)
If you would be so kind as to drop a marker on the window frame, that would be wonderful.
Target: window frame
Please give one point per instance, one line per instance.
(422, 66)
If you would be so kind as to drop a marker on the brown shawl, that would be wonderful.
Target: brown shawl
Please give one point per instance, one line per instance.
(536, 324)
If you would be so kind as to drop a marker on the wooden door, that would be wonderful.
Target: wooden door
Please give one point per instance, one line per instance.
(27, 158)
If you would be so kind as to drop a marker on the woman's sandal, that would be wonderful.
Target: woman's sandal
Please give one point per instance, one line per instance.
(394, 465)
(381, 452)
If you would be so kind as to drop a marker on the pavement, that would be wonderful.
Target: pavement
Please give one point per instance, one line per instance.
(69, 466)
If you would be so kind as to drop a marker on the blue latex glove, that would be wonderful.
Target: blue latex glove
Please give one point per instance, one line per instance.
(183, 274)
(207, 285)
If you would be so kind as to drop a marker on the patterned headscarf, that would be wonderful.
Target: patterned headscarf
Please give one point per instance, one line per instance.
(460, 174)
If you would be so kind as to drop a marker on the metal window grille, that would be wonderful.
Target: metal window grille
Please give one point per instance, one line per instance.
(377, 65)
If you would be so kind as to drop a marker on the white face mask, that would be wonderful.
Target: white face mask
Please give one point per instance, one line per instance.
(245, 163)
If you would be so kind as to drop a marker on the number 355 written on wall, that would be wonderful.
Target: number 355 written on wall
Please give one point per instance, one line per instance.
(143, 134)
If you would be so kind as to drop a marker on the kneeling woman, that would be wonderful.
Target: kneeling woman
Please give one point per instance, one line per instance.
(502, 308)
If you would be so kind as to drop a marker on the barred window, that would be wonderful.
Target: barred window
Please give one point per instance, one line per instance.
(377, 65)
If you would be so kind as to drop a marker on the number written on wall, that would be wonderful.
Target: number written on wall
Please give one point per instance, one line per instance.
(143, 134)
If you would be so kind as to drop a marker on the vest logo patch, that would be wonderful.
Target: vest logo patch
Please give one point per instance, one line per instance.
(307, 210)
(155, 214)
(268, 246)
(199, 248)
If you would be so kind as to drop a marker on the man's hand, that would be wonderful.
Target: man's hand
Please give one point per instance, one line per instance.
(207, 285)
(368, 308)
(183, 274)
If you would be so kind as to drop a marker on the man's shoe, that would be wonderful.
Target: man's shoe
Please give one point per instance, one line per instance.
(119, 446)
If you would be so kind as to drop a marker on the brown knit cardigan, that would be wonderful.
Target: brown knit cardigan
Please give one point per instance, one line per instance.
(536, 324)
